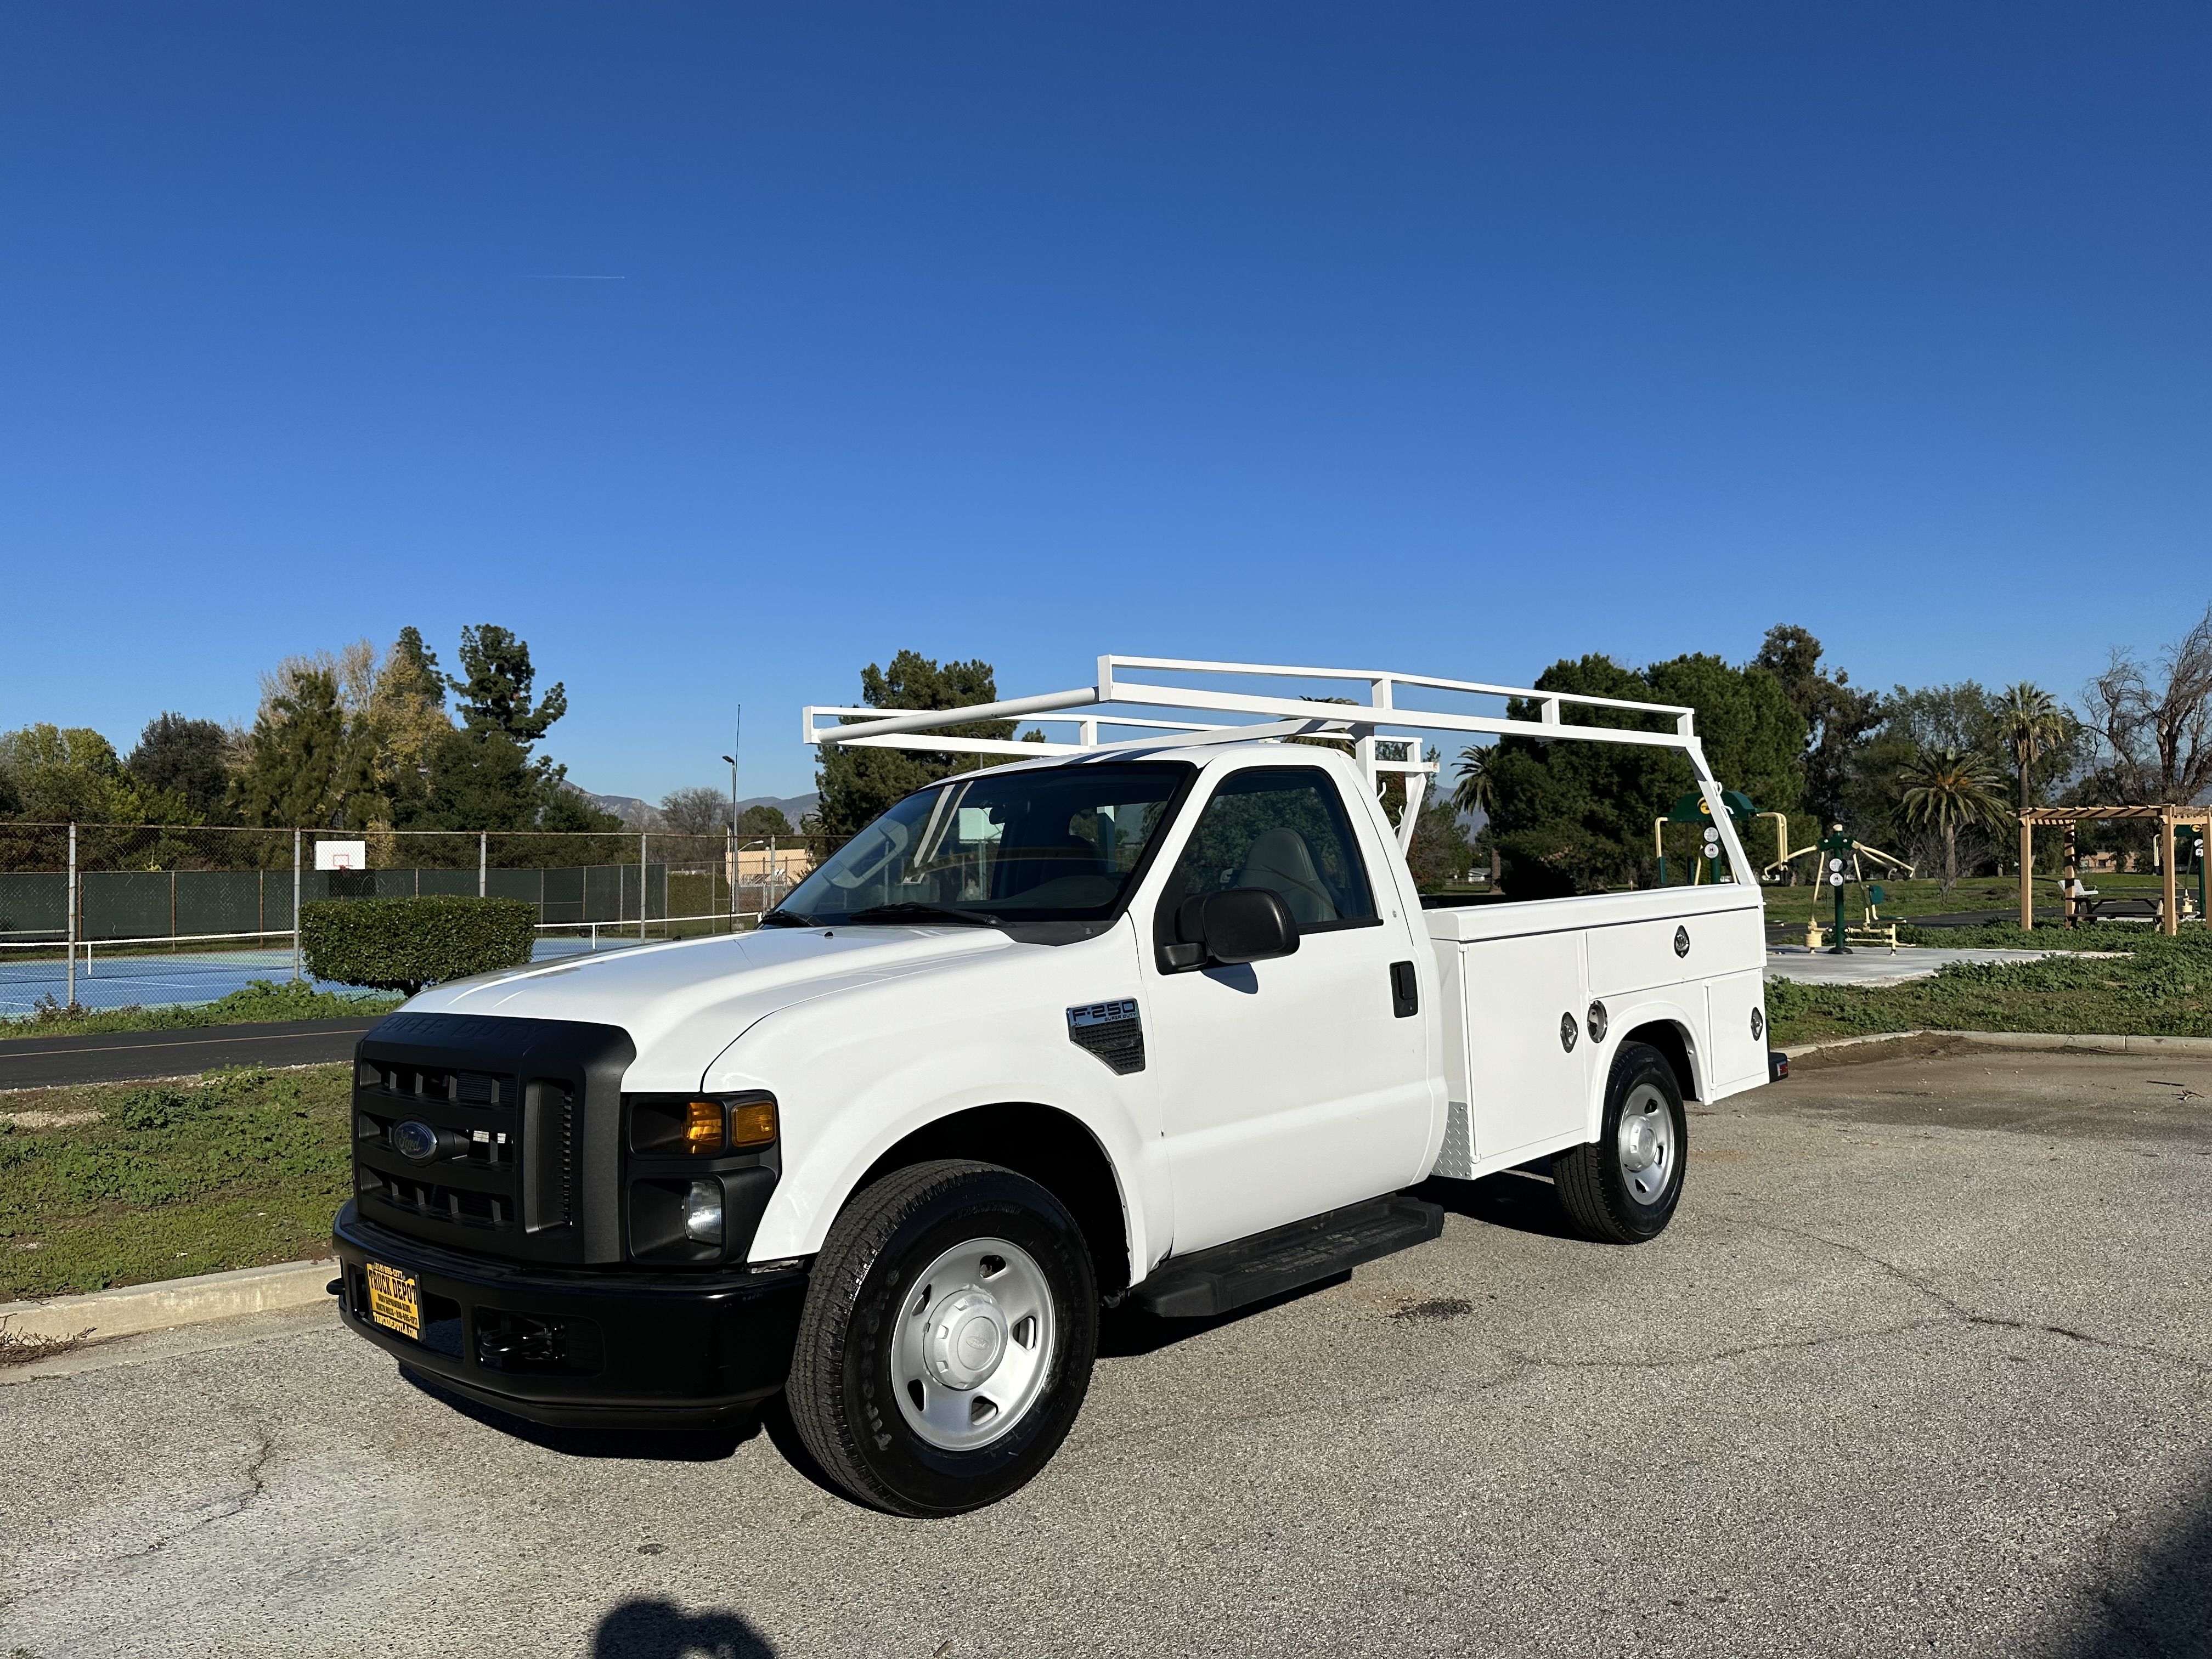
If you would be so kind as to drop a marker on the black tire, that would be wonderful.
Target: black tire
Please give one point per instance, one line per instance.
(842, 1387)
(1595, 1186)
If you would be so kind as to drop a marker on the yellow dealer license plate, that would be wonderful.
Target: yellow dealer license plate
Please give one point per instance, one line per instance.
(393, 1301)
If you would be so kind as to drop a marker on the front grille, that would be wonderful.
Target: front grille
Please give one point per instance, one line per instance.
(473, 1180)
(509, 1107)
(437, 1083)
(432, 1201)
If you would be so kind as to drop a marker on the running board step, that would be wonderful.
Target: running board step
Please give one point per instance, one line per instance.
(1247, 1270)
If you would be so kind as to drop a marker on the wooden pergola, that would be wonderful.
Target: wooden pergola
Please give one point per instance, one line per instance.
(2166, 815)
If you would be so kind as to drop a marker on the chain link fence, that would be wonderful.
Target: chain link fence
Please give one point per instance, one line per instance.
(100, 916)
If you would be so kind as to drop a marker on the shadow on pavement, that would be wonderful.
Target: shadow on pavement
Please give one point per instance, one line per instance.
(2164, 1605)
(783, 1435)
(1518, 1198)
(1126, 1332)
(644, 1445)
(661, 1630)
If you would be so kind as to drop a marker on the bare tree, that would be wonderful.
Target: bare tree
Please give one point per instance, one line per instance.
(695, 811)
(2157, 739)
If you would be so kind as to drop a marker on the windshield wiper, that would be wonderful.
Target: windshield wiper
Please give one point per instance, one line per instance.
(913, 910)
(780, 917)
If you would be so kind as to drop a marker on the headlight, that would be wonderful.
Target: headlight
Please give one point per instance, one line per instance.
(707, 1126)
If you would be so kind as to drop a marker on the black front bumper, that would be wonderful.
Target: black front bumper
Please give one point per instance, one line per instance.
(608, 1348)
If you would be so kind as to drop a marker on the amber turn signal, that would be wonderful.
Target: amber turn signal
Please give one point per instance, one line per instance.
(752, 1123)
(702, 1128)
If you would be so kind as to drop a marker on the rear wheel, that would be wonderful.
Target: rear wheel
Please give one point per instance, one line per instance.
(1622, 1187)
(947, 1339)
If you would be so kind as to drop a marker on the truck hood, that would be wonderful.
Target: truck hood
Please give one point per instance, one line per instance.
(683, 1002)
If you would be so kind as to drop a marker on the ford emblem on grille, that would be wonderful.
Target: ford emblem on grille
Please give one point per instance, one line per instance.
(417, 1141)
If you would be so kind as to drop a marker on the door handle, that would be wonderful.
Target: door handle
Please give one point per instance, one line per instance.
(1404, 991)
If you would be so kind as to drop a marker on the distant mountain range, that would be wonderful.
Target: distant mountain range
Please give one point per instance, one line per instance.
(639, 814)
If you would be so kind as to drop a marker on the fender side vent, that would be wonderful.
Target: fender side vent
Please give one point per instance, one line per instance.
(1111, 1030)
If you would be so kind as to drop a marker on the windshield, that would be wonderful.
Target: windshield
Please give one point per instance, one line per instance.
(1060, 845)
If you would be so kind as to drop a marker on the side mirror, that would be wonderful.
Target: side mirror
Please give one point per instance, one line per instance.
(1245, 924)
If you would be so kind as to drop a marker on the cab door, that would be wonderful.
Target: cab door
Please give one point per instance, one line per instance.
(1296, 1084)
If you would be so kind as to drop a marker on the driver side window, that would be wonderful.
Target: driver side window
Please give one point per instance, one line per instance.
(1283, 827)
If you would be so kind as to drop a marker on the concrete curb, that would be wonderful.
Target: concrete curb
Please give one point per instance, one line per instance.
(173, 1301)
(2045, 1041)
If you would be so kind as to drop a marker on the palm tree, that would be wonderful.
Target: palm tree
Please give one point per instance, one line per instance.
(1949, 791)
(2029, 719)
(1475, 792)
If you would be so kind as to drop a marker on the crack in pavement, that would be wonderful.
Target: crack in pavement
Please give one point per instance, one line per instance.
(1958, 1311)
(1520, 1363)
(249, 1494)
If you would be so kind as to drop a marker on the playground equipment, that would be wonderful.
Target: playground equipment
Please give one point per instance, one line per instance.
(2179, 829)
(1840, 868)
(1694, 808)
(1859, 850)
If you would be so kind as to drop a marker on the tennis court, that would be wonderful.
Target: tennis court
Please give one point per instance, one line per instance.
(129, 976)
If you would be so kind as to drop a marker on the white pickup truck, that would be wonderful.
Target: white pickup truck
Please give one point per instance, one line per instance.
(1162, 1019)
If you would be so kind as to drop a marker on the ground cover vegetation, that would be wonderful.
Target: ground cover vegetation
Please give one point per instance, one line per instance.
(2104, 980)
(125, 1184)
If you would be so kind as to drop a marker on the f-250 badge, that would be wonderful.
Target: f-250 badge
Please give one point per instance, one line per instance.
(1110, 1030)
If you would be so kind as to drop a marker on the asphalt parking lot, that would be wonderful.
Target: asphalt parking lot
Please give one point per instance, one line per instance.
(1924, 1365)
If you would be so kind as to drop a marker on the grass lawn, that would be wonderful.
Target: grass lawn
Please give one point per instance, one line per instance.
(1902, 899)
(124, 1184)
(2161, 987)
(263, 999)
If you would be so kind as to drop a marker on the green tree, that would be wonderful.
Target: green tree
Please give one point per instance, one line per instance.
(1838, 716)
(1440, 852)
(69, 774)
(185, 758)
(1475, 792)
(487, 781)
(858, 784)
(408, 719)
(764, 820)
(496, 694)
(2031, 724)
(308, 766)
(1572, 817)
(1946, 790)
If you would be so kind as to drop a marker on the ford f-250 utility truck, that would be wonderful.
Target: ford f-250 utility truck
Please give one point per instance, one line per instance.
(1163, 1018)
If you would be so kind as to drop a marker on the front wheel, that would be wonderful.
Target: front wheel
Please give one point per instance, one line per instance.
(947, 1339)
(1622, 1187)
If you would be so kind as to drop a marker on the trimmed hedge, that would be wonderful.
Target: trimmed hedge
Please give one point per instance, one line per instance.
(405, 944)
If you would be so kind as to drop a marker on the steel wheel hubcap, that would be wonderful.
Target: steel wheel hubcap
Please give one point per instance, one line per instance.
(1646, 1144)
(974, 1344)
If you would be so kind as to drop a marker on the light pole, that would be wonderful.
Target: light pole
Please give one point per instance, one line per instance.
(737, 748)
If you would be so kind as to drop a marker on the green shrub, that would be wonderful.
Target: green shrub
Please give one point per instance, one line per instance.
(405, 944)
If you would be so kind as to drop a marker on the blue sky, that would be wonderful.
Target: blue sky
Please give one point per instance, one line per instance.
(1453, 339)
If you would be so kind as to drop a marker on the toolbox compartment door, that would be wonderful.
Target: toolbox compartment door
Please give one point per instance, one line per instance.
(1527, 1086)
